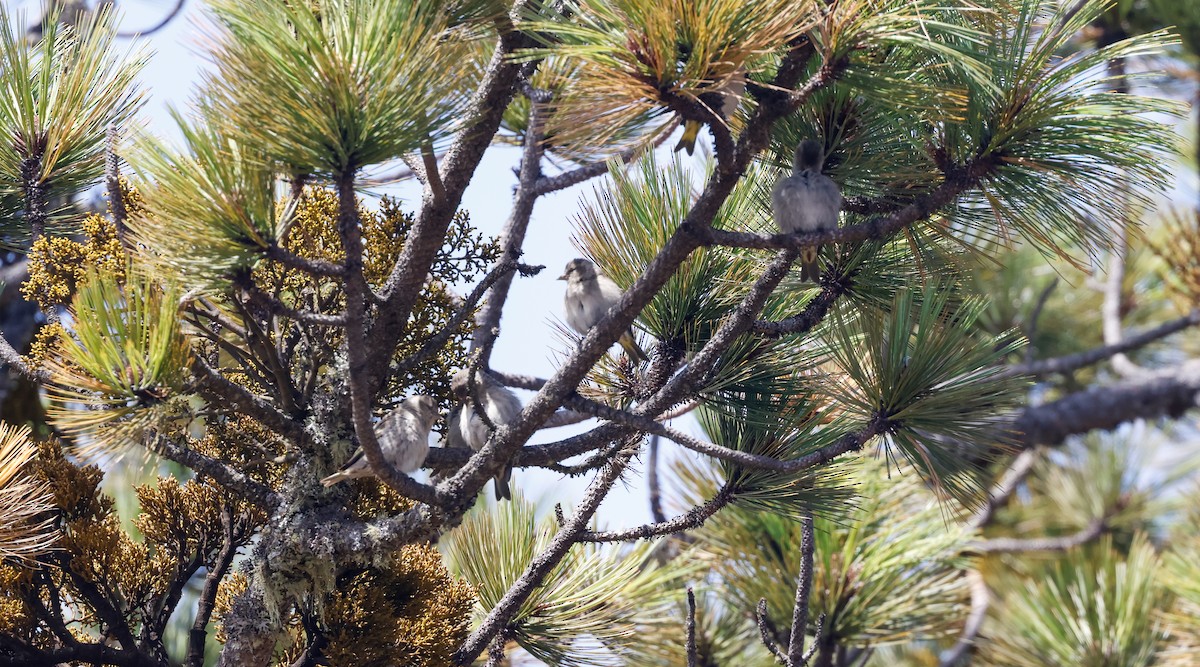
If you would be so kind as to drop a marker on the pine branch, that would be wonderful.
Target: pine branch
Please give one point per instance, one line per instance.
(512, 237)
(1167, 393)
(208, 594)
(690, 520)
(981, 599)
(548, 184)
(1072, 362)
(803, 588)
(1020, 545)
(1016, 473)
(690, 628)
(500, 615)
(767, 632)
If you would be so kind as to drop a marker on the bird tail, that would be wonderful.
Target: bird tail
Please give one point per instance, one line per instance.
(810, 268)
(691, 130)
(500, 483)
(631, 348)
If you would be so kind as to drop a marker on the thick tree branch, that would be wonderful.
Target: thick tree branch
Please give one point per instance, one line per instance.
(360, 363)
(221, 472)
(1167, 393)
(482, 119)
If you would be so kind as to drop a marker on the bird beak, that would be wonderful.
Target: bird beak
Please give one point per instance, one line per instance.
(562, 277)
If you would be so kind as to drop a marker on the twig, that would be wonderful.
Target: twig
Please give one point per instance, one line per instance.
(1031, 328)
(277, 307)
(233, 396)
(767, 631)
(1072, 362)
(1017, 471)
(439, 339)
(548, 184)
(317, 267)
(691, 628)
(157, 26)
(496, 652)
(745, 459)
(693, 518)
(1020, 545)
(1114, 293)
(15, 361)
(204, 607)
(112, 181)
(981, 599)
(803, 587)
(656, 510)
(432, 177)
(512, 237)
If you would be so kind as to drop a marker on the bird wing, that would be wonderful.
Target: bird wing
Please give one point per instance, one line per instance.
(826, 203)
(610, 293)
(502, 405)
(454, 434)
(788, 201)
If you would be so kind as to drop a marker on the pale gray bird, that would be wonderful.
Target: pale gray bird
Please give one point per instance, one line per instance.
(467, 428)
(589, 296)
(807, 201)
(403, 436)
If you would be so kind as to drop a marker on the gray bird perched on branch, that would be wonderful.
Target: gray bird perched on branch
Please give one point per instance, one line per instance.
(589, 296)
(403, 436)
(466, 428)
(807, 201)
